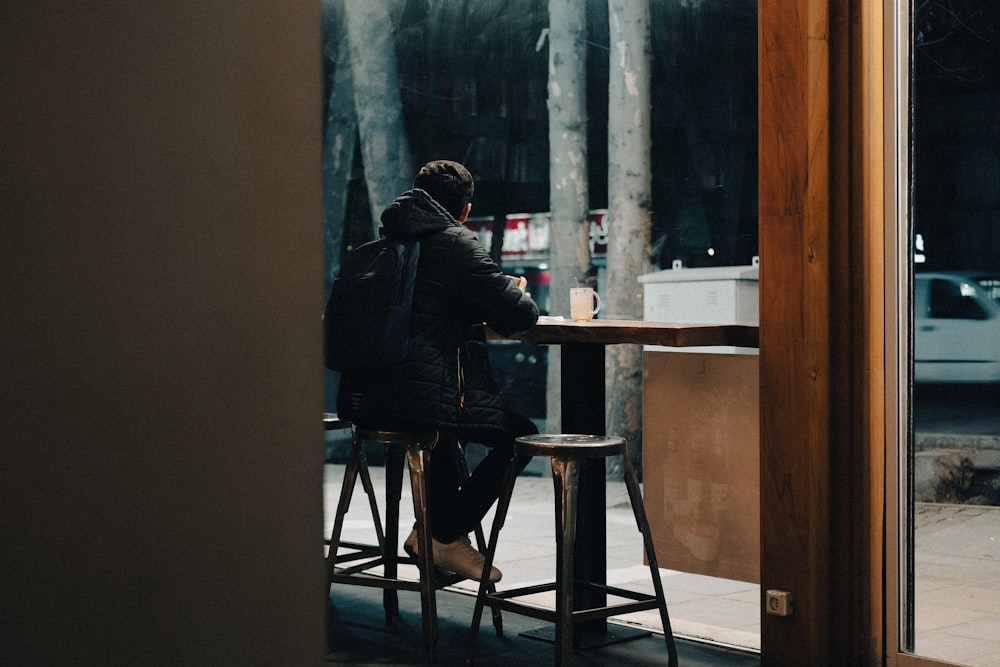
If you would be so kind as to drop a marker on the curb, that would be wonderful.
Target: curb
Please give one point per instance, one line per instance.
(955, 441)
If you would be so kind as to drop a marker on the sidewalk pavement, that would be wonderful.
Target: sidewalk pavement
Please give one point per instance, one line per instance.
(958, 583)
(957, 569)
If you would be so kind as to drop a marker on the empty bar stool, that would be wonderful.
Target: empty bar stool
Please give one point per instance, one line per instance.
(352, 563)
(567, 453)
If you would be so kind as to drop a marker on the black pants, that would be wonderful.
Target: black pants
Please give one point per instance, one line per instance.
(456, 509)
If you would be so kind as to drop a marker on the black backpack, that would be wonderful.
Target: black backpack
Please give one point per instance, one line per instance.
(367, 317)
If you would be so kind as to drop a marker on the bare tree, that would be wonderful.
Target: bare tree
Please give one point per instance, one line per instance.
(629, 196)
(569, 196)
(384, 147)
(339, 142)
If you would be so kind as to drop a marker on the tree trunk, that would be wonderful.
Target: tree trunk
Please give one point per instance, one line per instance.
(384, 147)
(629, 195)
(569, 197)
(339, 141)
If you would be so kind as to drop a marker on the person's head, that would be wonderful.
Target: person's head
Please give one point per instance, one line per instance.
(450, 184)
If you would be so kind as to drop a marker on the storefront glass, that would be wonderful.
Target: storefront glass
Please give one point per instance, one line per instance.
(949, 269)
(471, 84)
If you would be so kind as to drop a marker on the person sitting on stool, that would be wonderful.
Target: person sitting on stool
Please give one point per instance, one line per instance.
(445, 382)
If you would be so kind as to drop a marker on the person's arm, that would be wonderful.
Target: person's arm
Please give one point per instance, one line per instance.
(486, 293)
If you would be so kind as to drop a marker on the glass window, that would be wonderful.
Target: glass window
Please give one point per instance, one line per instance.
(472, 84)
(948, 236)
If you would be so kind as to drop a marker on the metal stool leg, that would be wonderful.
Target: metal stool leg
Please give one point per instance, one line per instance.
(346, 493)
(463, 466)
(357, 465)
(503, 504)
(366, 484)
(565, 479)
(419, 458)
(394, 461)
(639, 510)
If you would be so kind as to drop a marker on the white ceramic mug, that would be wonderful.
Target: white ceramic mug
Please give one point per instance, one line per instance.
(584, 303)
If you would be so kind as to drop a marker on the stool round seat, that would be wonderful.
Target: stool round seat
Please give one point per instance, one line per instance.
(569, 445)
(427, 439)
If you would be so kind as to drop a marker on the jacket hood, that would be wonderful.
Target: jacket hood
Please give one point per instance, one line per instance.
(415, 213)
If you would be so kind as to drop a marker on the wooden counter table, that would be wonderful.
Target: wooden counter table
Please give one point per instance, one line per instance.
(583, 405)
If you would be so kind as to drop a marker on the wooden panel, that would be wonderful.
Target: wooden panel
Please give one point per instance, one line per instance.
(701, 462)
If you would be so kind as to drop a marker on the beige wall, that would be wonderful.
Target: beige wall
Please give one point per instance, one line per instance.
(160, 364)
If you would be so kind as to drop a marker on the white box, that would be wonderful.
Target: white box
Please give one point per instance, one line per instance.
(708, 295)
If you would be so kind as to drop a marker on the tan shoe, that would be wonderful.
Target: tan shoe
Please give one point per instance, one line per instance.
(459, 557)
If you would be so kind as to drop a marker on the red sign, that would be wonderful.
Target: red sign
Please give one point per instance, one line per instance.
(515, 235)
(483, 227)
(598, 232)
(538, 232)
(528, 235)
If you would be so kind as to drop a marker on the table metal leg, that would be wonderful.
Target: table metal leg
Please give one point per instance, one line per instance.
(583, 412)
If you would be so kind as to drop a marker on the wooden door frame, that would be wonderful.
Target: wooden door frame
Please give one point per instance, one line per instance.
(822, 218)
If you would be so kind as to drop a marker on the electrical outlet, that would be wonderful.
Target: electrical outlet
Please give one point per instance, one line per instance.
(779, 603)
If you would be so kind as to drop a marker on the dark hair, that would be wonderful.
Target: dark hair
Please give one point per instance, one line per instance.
(448, 182)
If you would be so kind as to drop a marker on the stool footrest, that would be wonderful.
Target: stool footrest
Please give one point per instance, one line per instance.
(356, 550)
(396, 584)
(506, 601)
(359, 573)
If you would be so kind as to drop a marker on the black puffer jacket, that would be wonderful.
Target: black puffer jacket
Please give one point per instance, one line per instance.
(445, 381)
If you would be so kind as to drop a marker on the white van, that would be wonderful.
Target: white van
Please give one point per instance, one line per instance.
(956, 323)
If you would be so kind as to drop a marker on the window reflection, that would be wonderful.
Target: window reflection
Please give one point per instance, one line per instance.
(953, 584)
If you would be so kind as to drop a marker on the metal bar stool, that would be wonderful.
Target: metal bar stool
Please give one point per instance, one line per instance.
(353, 566)
(567, 453)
